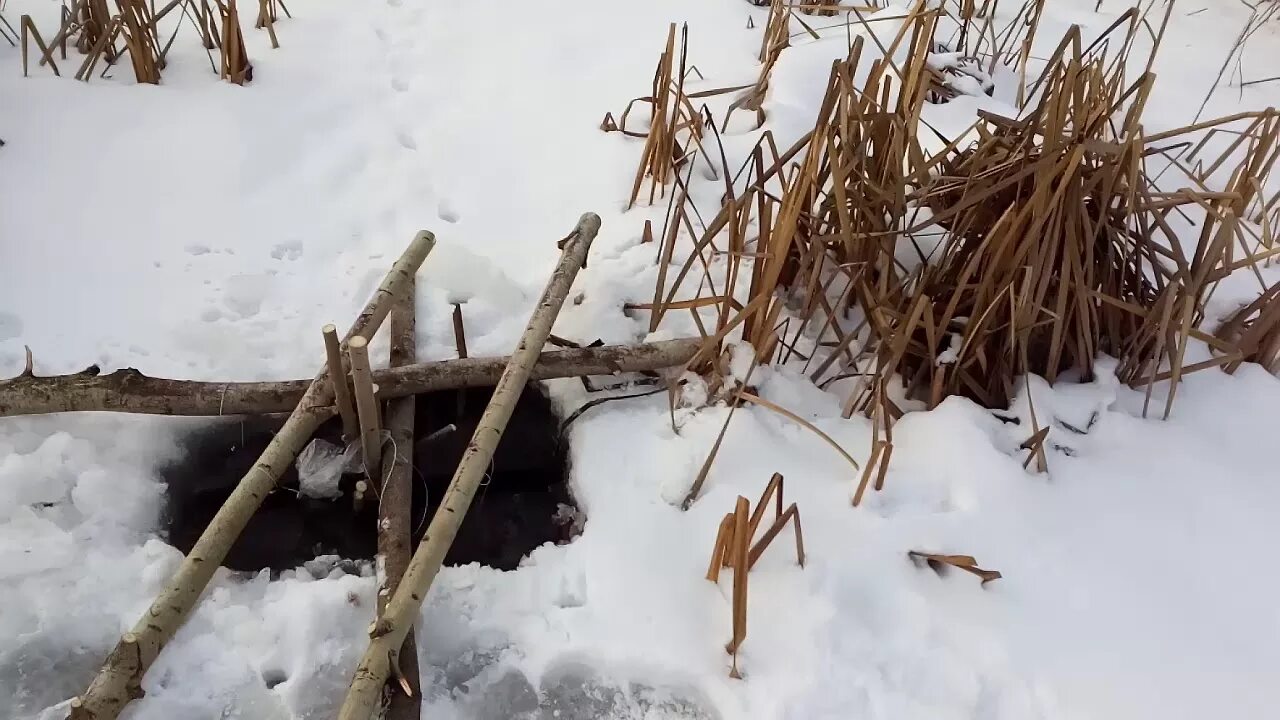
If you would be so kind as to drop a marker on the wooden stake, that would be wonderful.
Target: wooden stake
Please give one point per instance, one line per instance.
(459, 331)
(388, 633)
(395, 512)
(119, 680)
(366, 407)
(341, 388)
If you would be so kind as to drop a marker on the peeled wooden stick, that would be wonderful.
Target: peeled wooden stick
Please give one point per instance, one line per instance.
(341, 390)
(119, 680)
(388, 633)
(366, 406)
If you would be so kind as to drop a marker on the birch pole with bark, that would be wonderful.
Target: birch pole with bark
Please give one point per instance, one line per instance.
(119, 681)
(389, 631)
(129, 391)
(395, 510)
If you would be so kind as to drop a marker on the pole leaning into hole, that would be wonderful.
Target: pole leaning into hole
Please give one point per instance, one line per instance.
(120, 679)
(388, 632)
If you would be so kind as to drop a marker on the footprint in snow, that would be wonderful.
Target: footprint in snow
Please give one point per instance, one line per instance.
(10, 326)
(447, 211)
(291, 250)
(198, 249)
(399, 84)
(407, 141)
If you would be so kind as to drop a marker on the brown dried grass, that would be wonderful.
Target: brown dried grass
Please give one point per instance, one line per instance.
(1028, 245)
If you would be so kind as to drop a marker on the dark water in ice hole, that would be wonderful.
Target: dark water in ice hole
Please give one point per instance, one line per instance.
(516, 511)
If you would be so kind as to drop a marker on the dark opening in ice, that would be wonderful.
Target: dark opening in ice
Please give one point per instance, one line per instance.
(523, 502)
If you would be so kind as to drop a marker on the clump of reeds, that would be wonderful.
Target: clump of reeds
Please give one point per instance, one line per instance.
(776, 38)
(675, 126)
(669, 114)
(96, 32)
(94, 21)
(1027, 245)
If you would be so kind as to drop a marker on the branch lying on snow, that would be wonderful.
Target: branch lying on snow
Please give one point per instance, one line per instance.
(128, 390)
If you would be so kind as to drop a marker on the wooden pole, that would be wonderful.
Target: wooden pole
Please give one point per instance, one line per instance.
(366, 407)
(459, 331)
(128, 390)
(341, 389)
(388, 633)
(120, 679)
(395, 512)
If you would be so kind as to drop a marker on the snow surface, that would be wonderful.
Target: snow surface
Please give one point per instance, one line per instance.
(203, 230)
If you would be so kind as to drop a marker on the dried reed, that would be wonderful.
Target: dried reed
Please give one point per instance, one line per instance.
(235, 65)
(1026, 245)
(734, 549)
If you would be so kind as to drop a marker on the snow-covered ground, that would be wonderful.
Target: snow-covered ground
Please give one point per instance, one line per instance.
(203, 230)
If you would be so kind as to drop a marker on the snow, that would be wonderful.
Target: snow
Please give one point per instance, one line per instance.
(207, 231)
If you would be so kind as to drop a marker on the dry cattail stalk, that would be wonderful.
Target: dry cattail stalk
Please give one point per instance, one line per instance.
(29, 31)
(775, 40)
(675, 126)
(267, 15)
(1255, 331)
(94, 22)
(138, 26)
(235, 65)
(103, 47)
(734, 549)
(7, 31)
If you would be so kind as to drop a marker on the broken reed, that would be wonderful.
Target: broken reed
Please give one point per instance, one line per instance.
(138, 26)
(734, 549)
(268, 13)
(774, 40)
(234, 60)
(669, 113)
(674, 127)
